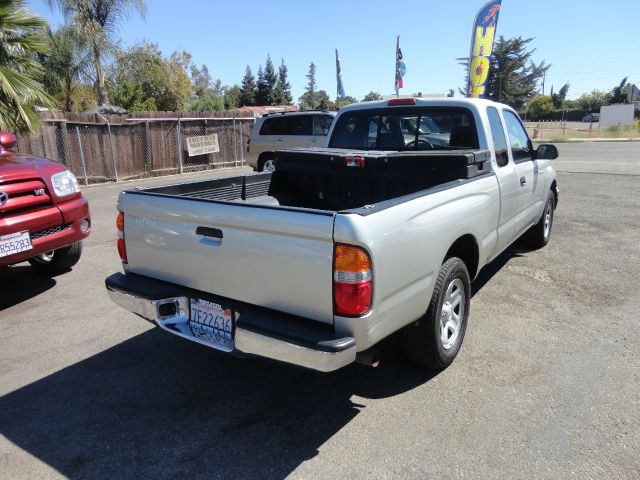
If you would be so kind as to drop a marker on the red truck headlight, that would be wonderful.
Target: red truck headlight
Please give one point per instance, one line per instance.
(352, 281)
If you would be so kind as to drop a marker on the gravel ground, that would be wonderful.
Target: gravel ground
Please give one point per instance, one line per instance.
(547, 384)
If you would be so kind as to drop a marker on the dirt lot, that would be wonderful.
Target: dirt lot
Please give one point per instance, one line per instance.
(547, 384)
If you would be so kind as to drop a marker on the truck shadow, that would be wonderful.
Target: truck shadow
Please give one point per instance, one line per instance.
(518, 249)
(20, 283)
(155, 406)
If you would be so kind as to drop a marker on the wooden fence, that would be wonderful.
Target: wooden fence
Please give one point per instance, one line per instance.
(104, 148)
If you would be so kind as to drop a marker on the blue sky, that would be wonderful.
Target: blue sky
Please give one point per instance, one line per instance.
(591, 44)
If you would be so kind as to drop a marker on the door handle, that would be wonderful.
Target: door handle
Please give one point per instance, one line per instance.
(522, 181)
(209, 232)
(313, 140)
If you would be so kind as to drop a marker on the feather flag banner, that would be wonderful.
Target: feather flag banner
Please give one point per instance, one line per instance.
(340, 93)
(484, 33)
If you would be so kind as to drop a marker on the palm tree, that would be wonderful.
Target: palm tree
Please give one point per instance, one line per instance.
(98, 21)
(21, 38)
(65, 65)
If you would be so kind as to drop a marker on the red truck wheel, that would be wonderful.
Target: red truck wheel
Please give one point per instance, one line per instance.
(58, 260)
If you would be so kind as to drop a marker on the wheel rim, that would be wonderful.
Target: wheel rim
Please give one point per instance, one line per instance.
(548, 218)
(269, 165)
(452, 314)
(45, 257)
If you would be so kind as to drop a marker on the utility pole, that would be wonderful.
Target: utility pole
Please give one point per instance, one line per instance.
(544, 76)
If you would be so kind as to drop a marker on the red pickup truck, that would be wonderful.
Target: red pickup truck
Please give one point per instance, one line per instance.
(43, 215)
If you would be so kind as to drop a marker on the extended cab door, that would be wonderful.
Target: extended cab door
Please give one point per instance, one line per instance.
(521, 151)
(507, 180)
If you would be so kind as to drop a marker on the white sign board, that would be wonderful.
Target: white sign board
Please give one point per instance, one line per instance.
(616, 115)
(203, 145)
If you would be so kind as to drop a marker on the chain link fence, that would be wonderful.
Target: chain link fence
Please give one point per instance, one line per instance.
(139, 148)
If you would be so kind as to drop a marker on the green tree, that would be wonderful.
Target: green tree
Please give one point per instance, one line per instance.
(372, 96)
(201, 80)
(592, 102)
(212, 102)
(619, 92)
(232, 97)
(283, 88)
(98, 21)
(324, 102)
(22, 37)
(270, 82)
(348, 100)
(65, 65)
(141, 74)
(248, 89)
(513, 76)
(262, 89)
(309, 99)
(540, 105)
(560, 97)
(181, 83)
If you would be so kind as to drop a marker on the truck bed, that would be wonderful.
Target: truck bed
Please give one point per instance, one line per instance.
(327, 180)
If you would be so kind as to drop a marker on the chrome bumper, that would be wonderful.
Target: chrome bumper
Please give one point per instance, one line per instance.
(247, 342)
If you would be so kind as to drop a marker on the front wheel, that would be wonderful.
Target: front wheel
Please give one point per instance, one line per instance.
(435, 339)
(59, 260)
(540, 234)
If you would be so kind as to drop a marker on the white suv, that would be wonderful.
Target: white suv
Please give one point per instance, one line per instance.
(277, 131)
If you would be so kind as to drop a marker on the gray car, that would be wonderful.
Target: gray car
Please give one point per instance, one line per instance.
(277, 131)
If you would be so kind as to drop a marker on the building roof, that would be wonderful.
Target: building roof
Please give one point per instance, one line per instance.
(258, 111)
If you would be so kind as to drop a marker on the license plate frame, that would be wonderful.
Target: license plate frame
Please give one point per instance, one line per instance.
(15, 243)
(212, 323)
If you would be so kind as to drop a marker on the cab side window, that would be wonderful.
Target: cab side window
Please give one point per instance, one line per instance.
(499, 140)
(520, 144)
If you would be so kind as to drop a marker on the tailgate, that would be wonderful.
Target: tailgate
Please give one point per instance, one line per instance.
(273, 257)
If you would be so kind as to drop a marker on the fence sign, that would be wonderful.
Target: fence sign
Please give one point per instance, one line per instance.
(203, 144)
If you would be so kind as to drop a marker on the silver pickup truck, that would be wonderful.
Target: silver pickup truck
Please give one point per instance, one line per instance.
(315, 263)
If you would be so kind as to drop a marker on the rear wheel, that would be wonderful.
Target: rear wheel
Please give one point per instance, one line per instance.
(435, 339)
(267, 164)
(58, 260)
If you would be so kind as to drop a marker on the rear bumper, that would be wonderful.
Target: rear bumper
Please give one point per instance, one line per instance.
(51, 228)
(258, 331)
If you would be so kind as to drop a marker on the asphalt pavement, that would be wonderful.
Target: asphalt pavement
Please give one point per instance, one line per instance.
(547, 384)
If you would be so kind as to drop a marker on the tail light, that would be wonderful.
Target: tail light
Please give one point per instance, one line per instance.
(352, 281)
(248, 145)
(356, 162)
(122, 248)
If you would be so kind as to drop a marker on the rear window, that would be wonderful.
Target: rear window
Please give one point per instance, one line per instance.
(437, 128)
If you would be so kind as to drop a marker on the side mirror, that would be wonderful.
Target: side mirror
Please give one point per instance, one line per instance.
(7, 140)
(546, 151)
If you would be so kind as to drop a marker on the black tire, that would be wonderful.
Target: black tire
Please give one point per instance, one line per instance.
(266, 160)
(62, 259)
(423, 340)
(539, 235)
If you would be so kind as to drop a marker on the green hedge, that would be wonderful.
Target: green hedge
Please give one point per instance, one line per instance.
(571, 115)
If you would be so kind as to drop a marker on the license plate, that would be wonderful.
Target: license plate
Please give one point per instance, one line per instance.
(14, 243)
(212, 323)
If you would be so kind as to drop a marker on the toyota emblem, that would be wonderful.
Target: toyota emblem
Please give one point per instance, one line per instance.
(4, 197)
